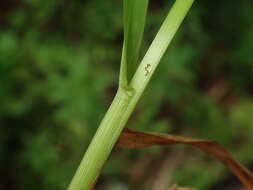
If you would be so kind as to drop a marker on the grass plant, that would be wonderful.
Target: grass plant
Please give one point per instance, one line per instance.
(131, 85)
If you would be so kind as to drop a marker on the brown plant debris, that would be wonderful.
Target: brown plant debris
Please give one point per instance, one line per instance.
(175, 187)
(137, 139)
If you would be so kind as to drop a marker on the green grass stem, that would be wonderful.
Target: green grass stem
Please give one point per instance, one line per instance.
(126, 100)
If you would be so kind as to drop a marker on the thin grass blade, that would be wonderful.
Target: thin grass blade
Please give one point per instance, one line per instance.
(134, 18)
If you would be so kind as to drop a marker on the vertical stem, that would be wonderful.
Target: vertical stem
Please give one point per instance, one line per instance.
(126, 100)
(160, 43)
(103, 141)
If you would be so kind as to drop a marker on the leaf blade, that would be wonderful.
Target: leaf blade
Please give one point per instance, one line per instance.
(134, 18)
(137, 139)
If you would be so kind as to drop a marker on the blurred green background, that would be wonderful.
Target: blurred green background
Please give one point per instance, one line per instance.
(59, 64)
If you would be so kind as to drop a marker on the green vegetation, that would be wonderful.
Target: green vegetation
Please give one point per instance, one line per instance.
(59, 65)
(128, 94)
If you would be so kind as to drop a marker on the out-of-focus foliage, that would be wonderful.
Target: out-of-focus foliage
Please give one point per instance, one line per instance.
(59, 65)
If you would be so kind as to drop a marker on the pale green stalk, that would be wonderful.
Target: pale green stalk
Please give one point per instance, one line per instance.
(126, 100)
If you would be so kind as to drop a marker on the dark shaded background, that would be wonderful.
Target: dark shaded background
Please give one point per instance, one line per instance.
(59, 64)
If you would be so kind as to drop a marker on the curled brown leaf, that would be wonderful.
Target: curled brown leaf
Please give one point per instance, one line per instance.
(136, 139)
(175, 187)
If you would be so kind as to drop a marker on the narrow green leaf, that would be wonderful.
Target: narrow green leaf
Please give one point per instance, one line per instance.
(134, 17)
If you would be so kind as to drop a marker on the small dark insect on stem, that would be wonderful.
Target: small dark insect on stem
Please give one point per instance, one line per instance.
(147, 69)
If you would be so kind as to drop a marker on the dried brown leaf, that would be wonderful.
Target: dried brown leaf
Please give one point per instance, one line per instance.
(136, 139)
(92, 187)
(175, 187)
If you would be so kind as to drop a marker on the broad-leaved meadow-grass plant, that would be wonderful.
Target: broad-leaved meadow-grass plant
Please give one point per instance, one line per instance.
(131, 85)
